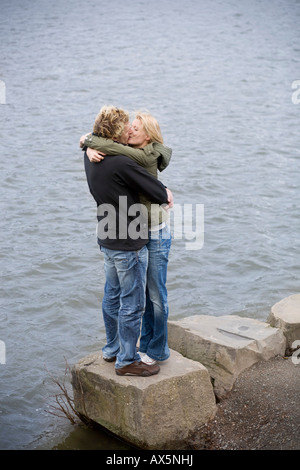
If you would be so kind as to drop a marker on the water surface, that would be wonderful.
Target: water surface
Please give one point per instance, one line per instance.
(218, 76)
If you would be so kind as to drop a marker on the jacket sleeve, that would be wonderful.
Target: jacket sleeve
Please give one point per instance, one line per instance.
(165, 154)
(143, 157)
(140, 180)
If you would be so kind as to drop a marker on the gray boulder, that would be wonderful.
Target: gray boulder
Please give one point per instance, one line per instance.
(286, 316)
(157, 412)
(226, 345)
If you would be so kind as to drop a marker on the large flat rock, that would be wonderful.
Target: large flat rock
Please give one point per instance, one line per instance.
(286, 316)
(226, 345)
(157, 412)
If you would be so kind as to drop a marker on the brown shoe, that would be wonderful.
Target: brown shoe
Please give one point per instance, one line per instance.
(138, 368)
(109, 359)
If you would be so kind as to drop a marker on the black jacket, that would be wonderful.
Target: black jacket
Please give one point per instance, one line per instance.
(115, 184)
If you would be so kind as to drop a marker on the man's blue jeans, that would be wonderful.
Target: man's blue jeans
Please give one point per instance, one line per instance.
(123, 302)
(154, 334)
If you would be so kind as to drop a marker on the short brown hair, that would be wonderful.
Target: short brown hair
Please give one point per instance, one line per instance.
(110, 122)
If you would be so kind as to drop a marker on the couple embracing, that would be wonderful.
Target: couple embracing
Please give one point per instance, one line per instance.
(122, 160)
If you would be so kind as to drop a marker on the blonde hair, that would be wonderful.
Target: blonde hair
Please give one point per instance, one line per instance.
(110, 122)
(150, 125)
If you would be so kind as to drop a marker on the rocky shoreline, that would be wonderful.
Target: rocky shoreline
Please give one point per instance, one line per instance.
(228, 384)
(261, 413)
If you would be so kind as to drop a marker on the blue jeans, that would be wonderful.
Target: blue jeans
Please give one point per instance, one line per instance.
(123, 302)
(154, 334)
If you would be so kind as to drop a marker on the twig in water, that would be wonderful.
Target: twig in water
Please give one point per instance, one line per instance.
(64, 407)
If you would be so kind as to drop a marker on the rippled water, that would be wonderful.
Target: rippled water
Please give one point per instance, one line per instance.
(218, 75)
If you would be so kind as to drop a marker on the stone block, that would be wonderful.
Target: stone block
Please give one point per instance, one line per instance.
(226, 345)
(286, 316)
(156, 412)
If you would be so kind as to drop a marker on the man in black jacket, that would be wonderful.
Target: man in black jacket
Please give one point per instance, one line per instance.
(122, 236)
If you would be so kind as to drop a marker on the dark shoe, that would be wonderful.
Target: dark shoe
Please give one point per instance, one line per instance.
(109, 359)
(138, 368)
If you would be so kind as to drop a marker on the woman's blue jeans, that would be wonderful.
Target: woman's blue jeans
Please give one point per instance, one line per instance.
(154, 333)
(123, 302)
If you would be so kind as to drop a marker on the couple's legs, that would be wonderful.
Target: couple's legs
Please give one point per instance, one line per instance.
(123, 302)
(154, 334)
